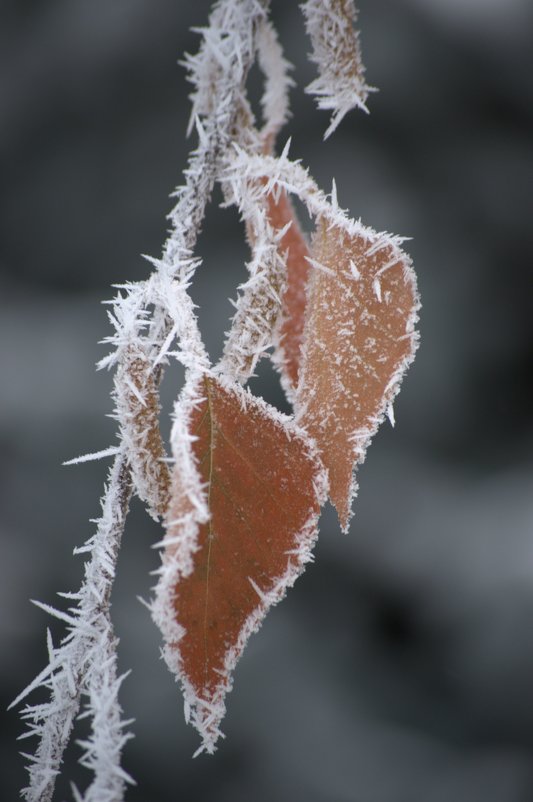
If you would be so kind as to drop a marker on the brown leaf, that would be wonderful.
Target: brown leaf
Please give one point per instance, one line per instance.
(340, 85)
(264, 489)
(294, 244)
(137, 398)
(280, 213)
(359, 339)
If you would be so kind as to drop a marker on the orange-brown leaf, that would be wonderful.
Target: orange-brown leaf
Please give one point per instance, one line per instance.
(137, 399)
(280, 213)
(359, 339)
(264, 488)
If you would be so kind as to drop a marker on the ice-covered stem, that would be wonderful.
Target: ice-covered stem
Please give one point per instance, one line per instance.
(340, 85)
(84, 665)
(218, 73)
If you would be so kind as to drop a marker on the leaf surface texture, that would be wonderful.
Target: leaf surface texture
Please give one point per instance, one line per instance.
(359, 339)
(264, 487)
(293, 242)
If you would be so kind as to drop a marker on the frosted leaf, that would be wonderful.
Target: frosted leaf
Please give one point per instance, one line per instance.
(358, 344)
(340, 85)
(264, 487)
(137, 401)
(258, 306)
(294, 246)
(271, 307)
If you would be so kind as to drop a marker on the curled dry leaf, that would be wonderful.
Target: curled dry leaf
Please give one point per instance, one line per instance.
(264, 486)
(261, 319)
(137, 400)
(359, 340)
(294, 244)
(341, 84)
(258, 307)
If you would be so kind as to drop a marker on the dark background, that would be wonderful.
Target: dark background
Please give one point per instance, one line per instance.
(400, 667)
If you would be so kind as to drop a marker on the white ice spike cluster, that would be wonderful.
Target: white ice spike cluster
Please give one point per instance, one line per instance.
(241, 492)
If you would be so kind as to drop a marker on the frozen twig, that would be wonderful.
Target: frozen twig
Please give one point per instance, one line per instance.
(85, 665)
(275, 67)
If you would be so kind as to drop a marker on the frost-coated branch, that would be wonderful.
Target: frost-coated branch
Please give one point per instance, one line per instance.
(218, 72)
(275, 67)
(85, 665)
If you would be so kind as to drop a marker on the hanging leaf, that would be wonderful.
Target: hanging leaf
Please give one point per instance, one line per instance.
(264, 487)
(279, 267)
(259, 302)
(293, 242)
(359, 340)
(137, 401)
(341, 84)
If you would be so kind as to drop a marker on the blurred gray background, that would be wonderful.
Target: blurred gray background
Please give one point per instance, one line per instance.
(400, 667)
